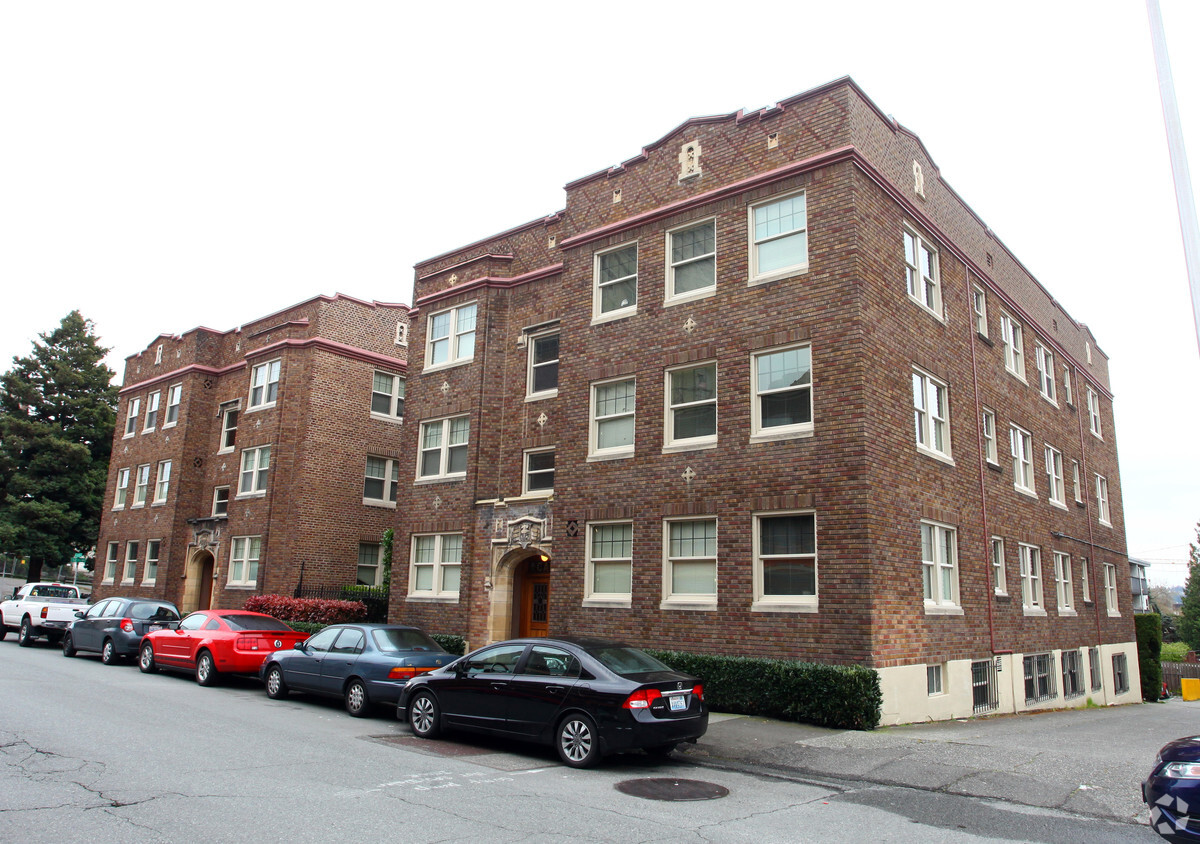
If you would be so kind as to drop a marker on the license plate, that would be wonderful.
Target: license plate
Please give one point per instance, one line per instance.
(154, 627)
(678, 703)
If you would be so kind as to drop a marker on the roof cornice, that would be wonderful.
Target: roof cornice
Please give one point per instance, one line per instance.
(489, 282)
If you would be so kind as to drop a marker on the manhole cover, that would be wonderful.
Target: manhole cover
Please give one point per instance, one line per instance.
(666, 788)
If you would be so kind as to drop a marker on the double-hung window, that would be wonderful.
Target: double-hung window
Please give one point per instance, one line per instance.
(1067, 385)
(1102, 512)
(999, 577)
(131, 558)
(122, 488)
(387, 395)
(1014, 345)
(370, 558)
(609, 562)
(379, 484)
(692, 269)
(131, 416)
(1077, 483)
(110, 562)
(543, 366)
(979, 306)
(436, 565)
(931, 411)
(990, 449)
(451, 337)
(163, 484)
(141, 487)
(1072, 674)
(1085, 579)
(152, 402)
(615, 291)
(1039, 678)
(539, 471)
(444, 448)
(921, 273)
(1120, 674)
(264, 384)
(244, 554)
(1021, 443)
(1045, 370)
(1031, 576)
(150, 573)
(611, 431)
(229, 425)
(1093, 407)
(690, 572)
(785, 561)
(692, 405)
(1110, 589)
(1054, 476)
(782, 384)
(779, 238)
(220, 501)
(255, 464)
(939, 566)
(1062, 583)
(174, 397)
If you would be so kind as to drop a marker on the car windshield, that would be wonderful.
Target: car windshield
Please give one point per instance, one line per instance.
(254, 622)
(392, 639)
(153, 612)
(627, 661)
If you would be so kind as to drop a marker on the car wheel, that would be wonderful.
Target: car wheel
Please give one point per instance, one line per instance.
(357, 701)
(661, 751)
(68, 646)
(206, 669)
(146, 659)
(276, 687)
(25, 636)
(108, 652)
(3, 632)
(424, 717)
(576, 741)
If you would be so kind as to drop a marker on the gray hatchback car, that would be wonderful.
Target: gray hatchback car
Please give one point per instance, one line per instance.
(114, 627)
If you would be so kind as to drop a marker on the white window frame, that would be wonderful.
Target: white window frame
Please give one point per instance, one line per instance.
(152, 404)
(122, 489)
(1110, 590)
(162, 482)
(394, 396)
(672, 598)
(1054, 477)
(1045, 372)
(1120, 665)
(672, 442)
(931, 424)
(150, 570)
(999, 567)
(445, 428)
(591, 596)
(599, 314)
(925, 290)
(1064, 592)
(1075, 479)
(229, 432)
(934, 680)
(1014, 345)
(245, 557)
(1032, 599)
(375, 550)
(440, 565)
(257, 471)
(390, 481)
(527, 470)
(110, 562)
(672, 296)
(1102, 511)
(1067, 394)
(1085, 580)
(264, 385)
(758, 275)
(217, 497)
(132, 411)
(784, 603)
(531, 393)
(141, 488)
(939, 567)
(129, 573)
(1021, 443)
(991, 451)
(758, 433)
(1093, 408)
(456, 338)
(979, 307)
(596, 422)
(174, 400)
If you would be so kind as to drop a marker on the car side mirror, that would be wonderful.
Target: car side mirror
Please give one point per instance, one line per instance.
(299, 646)
(80, 613)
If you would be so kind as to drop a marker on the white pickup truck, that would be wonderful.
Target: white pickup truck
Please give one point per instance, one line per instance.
(40, 609)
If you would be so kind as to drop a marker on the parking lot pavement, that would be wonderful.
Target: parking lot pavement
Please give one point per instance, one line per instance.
(1089, 761)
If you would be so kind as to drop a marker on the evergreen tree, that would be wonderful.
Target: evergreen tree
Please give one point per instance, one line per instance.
(57, 411)
(1189, 612)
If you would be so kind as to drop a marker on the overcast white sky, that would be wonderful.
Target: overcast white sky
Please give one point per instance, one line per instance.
(166, 165)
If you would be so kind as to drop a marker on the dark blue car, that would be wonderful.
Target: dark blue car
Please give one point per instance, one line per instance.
(364, 664)
(1172, 791)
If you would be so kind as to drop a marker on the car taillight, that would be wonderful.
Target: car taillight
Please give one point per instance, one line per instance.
(127, 625)
(406, 672)
(698, 690)
(246, 643)
(641, 699)
(45, 611)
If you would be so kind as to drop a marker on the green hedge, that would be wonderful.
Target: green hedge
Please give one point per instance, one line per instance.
(1149, 638)
(454, 644)
(840, 696)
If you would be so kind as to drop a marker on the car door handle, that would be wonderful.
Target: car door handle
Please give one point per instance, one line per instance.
(555, 690)
(496, 684)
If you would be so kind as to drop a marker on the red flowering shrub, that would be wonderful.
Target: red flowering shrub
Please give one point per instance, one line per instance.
(314, 610)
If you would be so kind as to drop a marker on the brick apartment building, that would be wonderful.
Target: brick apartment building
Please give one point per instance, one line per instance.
(249, 461)
(769, 387)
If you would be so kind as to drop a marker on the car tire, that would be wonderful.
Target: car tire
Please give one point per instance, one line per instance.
(276, 687)
(146, 662)
(68, 645)
(25, 636)
(108, 653)
(424, 716)
(576, 741)
(358, 702)
(206, 669)
(3, 632)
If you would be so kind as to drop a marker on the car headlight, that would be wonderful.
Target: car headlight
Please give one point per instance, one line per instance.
(1182, 771)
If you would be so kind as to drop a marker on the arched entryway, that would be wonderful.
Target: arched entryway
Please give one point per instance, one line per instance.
(520, 594)
(198, 583)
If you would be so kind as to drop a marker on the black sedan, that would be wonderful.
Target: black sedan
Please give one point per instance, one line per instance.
(586, 697)
(364, 664)
(1172, 791)
(114, 627)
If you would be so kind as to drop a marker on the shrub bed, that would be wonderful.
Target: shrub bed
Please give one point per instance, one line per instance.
(454, 644)
(1149, 638)
(840, 696)
(314, 610)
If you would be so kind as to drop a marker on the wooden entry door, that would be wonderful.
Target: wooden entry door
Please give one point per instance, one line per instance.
(206, 583)
(535, 604)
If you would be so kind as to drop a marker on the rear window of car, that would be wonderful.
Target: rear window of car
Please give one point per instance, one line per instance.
(254, 622)
(153, 612)
(403, 640)
(626, 661)
(53, 592)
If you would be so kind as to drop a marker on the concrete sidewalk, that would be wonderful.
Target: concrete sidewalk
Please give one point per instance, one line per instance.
(1090, 762)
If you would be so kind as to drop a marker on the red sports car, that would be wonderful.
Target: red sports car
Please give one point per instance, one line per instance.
(216, 642)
